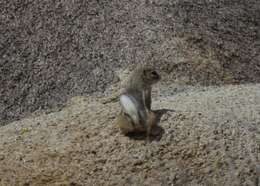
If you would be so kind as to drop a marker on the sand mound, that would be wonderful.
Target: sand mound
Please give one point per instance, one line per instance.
(211, 137)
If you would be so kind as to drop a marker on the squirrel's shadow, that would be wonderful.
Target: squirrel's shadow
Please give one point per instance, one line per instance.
(157, 131)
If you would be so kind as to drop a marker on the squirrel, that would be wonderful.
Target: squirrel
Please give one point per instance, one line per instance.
(135, 101)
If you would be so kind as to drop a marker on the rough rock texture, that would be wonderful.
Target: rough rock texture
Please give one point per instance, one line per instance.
(207, 136)
(52, 50)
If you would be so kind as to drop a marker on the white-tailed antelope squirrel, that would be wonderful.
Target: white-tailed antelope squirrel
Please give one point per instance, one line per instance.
(135, 100)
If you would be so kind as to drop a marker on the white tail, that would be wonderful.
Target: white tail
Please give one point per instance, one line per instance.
(129, 106)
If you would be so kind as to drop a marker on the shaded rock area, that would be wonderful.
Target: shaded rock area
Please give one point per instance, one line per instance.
(53, 50)
(208, 136)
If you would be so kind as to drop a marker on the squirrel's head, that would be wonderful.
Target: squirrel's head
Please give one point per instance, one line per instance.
(150, 75)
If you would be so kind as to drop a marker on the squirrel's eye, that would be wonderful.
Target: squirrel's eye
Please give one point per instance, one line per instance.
(154, 73)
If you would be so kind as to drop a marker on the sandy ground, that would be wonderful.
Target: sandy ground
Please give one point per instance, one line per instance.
(51, 51)
(206, 136)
